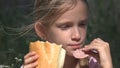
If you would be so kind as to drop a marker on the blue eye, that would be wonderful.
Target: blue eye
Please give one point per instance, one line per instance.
(83, 24)
(65, 26)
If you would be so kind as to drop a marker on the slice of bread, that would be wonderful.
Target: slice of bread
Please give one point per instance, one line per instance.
(51, 55)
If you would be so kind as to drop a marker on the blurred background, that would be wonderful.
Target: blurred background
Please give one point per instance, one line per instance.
(16, 30)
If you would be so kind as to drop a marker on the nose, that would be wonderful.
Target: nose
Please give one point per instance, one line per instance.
(76, 36)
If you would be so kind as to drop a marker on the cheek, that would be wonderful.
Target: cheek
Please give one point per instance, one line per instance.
(60, 38)
(83, 32)
(56, 37)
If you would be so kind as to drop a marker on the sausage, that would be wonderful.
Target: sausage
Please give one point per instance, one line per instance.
(79, 54)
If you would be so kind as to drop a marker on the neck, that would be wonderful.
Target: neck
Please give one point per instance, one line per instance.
(70, 62)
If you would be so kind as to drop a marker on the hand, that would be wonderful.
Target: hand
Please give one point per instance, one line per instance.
(30, 60)
(103, 49)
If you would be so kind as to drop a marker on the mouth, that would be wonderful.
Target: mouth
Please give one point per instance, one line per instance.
(75, 46)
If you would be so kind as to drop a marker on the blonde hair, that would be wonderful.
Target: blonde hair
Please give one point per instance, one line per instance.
(48, 11)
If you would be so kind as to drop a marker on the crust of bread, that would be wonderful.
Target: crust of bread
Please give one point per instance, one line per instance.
(48, 53)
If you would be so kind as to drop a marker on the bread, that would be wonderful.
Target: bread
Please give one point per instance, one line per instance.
(51, 55)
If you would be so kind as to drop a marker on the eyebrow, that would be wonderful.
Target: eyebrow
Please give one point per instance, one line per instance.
(70, 22)
(64, 22)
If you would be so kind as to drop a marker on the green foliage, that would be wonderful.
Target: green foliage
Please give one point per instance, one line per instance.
(14, 40)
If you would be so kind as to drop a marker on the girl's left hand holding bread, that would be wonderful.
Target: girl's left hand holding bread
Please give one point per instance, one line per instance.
(30, 60)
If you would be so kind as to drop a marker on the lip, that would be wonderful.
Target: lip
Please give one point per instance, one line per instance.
(75, 46)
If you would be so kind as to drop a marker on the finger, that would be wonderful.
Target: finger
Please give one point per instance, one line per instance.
(31, 59)
(101, 48)
(92, 51)
(94, 41)
(98, 40)
(100, 44)
(29, 55)
(32, 65)
(90, 47)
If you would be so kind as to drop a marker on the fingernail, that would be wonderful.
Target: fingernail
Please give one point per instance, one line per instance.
(95, 51)
(37, 55)
(32, 52)
(83, 48)
(86, 46)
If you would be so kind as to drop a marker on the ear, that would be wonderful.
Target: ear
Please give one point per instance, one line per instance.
(40, 30)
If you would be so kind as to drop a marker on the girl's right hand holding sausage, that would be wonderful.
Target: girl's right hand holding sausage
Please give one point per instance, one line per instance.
(30, 60)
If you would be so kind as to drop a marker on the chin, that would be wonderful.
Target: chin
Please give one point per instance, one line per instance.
(69, 53)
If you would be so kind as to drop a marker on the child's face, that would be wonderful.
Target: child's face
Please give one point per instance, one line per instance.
(70, 29)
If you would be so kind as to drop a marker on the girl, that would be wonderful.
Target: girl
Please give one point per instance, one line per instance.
(65, 22)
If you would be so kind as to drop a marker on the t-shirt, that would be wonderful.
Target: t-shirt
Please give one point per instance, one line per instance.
(93, 63)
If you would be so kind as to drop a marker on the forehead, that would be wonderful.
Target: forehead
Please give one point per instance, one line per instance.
(78, 12)
(66, 10)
